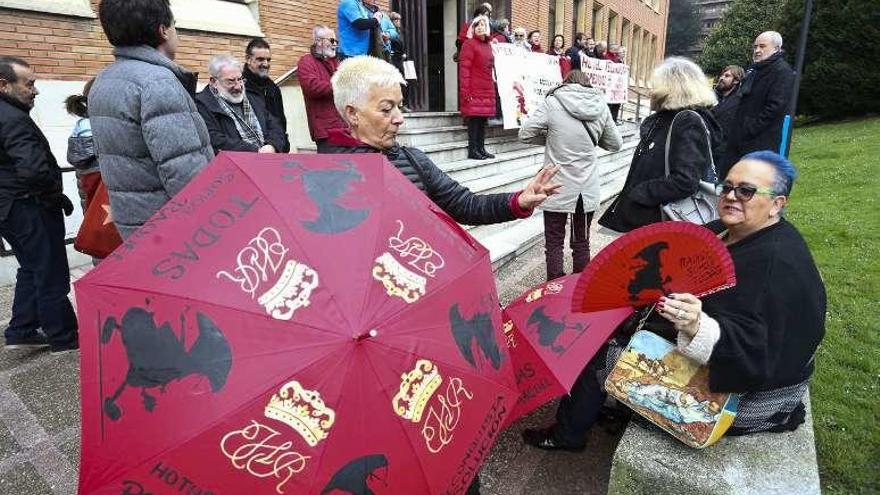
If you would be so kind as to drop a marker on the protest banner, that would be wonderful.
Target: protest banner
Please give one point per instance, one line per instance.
(611, 78)
(524, 79)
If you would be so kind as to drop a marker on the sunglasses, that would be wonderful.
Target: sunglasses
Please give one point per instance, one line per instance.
(331, 40)
(743, 193)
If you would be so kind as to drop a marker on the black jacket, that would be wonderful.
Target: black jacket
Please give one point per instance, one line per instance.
(27, 166)
(456, 200)
(773, 320)
(725, 114)
(574, 53)
(221, 127)
(765, 96)
(647, 187)
(268, 91)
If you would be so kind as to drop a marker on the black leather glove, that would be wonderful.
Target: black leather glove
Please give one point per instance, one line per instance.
(66, 205)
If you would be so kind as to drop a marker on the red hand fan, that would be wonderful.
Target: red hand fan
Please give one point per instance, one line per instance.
(651, 261)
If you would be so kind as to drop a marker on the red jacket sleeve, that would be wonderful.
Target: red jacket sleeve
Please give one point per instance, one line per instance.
(313, 78)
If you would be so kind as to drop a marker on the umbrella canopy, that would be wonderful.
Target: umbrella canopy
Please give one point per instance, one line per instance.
(292, 324)
(549, 344)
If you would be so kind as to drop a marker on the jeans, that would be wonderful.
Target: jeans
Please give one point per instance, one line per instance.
(36, 235)
(554, 239)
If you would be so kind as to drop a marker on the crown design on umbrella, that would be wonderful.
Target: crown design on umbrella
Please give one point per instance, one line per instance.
(291, 292)
(303, 410)
(416, 389)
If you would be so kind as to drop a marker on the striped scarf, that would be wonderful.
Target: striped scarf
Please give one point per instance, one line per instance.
(249, 128)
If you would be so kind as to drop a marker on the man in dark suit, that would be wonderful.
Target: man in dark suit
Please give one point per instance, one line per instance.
(257, 62)
(765, 95)
(31, 219)
(727, 90)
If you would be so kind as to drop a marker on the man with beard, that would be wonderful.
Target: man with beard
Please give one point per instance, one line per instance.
(314, 72)
(31, 206)
(765, 95)
(727, 91)
(258, 59)
(577, 48)
(236, 122)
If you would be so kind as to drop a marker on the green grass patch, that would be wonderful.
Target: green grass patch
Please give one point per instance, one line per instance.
(835, 206)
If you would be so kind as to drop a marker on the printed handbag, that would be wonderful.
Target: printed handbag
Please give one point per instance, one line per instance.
(97, 235)
(671, 390)
(702, 206)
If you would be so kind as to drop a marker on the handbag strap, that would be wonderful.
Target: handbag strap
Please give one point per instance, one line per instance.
(708, 143)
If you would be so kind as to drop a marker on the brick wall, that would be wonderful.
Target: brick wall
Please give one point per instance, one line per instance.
(63, 47)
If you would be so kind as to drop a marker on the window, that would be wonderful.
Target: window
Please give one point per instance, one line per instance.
(598, 32)
(579, 19)
(75, 8)
(613, 32)
(551, 25)
(218, 16)
(635, 56)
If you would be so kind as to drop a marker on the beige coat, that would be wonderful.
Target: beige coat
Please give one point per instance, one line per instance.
(560, 123)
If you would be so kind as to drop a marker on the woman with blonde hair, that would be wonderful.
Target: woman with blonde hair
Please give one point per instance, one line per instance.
(682, 98)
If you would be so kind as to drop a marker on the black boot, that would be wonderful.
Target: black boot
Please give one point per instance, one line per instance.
(481, 139)
(474, 139)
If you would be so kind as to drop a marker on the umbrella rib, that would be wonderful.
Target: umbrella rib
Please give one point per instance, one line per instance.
(438, 290)
(293, 237)
(216, 305)
(462, 370)
(409, 442)
(211, 425)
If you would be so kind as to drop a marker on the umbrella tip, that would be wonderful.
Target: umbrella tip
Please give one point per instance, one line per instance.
(367, 335)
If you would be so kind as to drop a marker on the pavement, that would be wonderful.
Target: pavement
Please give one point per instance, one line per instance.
(40, 415)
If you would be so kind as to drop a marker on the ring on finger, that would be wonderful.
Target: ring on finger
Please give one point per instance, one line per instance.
(682, 314)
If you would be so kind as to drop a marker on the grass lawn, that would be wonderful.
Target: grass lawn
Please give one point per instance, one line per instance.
(835, 205)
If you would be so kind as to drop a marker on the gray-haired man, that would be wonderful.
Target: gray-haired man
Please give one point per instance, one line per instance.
(765, 93)
(236, 121)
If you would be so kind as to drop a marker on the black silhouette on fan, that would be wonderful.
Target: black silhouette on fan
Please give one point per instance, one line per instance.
(156, 356)
(649, 276)
(352, 478)
(479, 329)
(325, 188)
(549, 329)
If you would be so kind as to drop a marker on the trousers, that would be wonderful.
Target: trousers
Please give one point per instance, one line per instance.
(554, 239)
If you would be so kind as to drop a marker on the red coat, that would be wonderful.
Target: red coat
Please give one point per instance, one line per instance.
(476, 97)
(314, 79)
(612, 57)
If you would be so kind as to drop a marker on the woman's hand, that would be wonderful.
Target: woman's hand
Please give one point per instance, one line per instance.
(539, 188)
(683, 310)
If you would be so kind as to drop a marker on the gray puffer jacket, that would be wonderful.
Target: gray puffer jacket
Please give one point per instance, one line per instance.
(149, 136)
(561, 122)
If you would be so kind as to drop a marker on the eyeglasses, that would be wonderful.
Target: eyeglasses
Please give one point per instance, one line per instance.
(519, 36)
(743, 193)
(233, 82)
(331, 40)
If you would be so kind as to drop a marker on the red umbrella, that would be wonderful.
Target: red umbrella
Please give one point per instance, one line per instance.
(549, 344)
(651, 261)
(292, 324)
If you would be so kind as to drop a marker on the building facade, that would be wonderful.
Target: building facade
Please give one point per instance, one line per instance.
(711, 12)
(64, 43)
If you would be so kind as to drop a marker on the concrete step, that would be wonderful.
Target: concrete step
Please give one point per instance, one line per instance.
(531, 158)
(457, 151)
(419, 137)
(429, 120)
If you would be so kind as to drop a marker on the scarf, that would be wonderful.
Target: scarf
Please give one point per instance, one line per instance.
(248, 128)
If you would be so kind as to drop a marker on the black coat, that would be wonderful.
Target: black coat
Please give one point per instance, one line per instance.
(574, 53)
(270, 93)
(773, 320)
(456, 200)
(765, 96)
(647, 187)
(27, 166)
(221, 127)
(725, 113)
